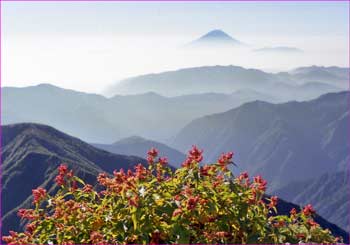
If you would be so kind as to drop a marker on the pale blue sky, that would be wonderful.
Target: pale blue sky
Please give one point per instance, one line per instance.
(258, 18)
(88, 45)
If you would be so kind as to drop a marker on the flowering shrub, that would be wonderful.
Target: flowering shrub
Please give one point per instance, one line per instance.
(194, 204)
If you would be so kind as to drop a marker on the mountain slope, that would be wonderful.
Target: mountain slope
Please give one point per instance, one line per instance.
(284, 142)
(328, 193)
(138, 146)
(31, 154)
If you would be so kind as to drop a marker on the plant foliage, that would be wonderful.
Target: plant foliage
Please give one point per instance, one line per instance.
(194, 204)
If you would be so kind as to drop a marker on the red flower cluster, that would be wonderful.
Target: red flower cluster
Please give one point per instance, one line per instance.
(225, 159)
(12, 238)
(273, 201)
(312, 223)
(206, 169)
(152, 154)
(134, 201)
(38, 194)
(177, 212)
(140, 172)
(62, 172)
(30, 227)
(308, 210)
(87, 188)
(218, 181)
(102, 179)
(192, 202)
(243, 179)
(27, 214)
(293, 212)
(259, 183)
(280, 223)
(194, 155)
(163, 161)
(243, 176)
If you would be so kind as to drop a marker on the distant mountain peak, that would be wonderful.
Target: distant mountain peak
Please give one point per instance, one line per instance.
(215, 37)
(217, 33)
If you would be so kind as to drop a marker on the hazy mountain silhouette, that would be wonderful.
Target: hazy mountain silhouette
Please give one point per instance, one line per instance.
(31, 154)
(95, 118)
(226, 79)
(138, 146)
(287, 142)
(333, 75)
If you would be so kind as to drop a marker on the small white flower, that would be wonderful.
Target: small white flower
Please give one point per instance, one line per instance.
(108, 217)
(83, 208)
(125, 228)
(49, 202)
(240, 194)
(50, 242)
(178, 203)
(142, 191)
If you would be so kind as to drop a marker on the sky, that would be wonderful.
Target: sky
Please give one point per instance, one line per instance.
(87, 46)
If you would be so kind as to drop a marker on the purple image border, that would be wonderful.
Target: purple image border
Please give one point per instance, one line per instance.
(183, 1)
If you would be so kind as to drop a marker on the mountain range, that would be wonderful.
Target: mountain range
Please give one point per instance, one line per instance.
(283, 142)
(36, 150)
(31, 154)
(123, 116)
(301, 147)
(226, 79)
(95, 118)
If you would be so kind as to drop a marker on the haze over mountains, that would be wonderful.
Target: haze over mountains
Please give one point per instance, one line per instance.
(276, 123)
(117, 117)
(207, 90)
(299, 84)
